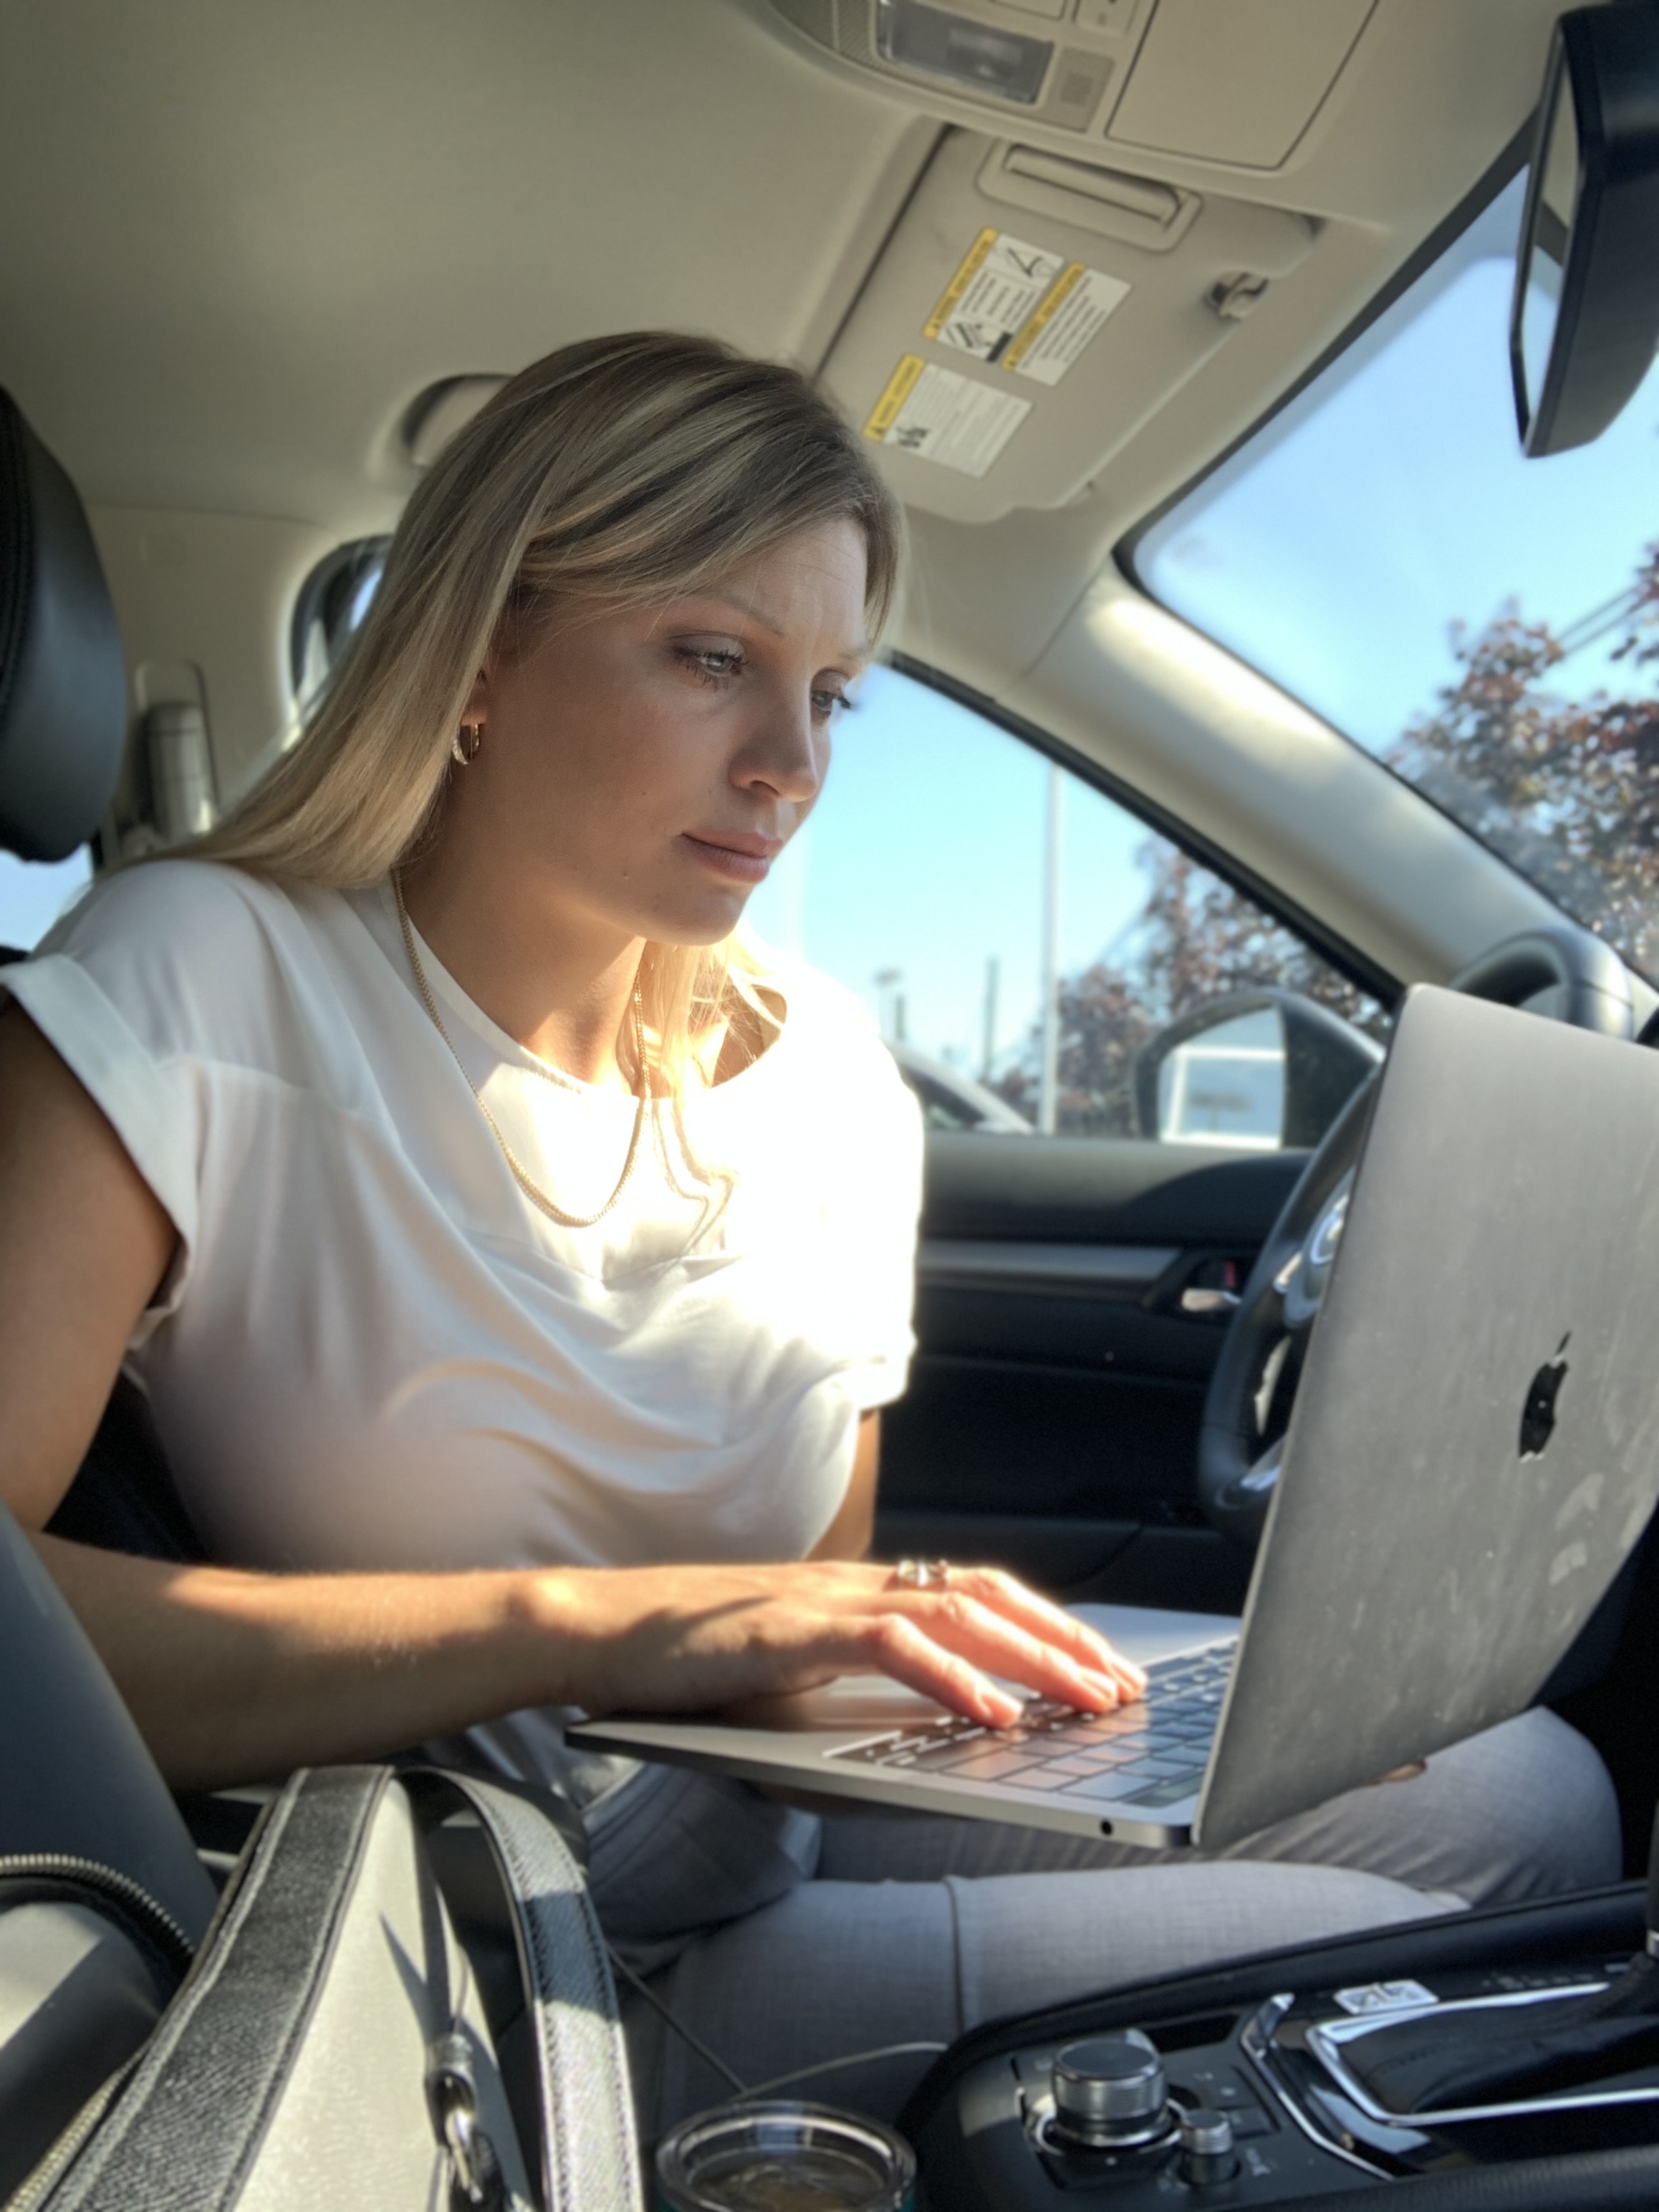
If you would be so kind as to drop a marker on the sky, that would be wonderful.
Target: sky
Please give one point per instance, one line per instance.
(33, 894)
(925, 854)
(1335, 554)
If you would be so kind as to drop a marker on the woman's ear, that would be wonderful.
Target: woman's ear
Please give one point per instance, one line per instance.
(478, 699)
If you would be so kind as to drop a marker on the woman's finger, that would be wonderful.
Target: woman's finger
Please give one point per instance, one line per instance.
(993, 1586)
(812, 1651)
(1077, 1659)
(899, 1646)
(999, 1646)
(1004, 1593)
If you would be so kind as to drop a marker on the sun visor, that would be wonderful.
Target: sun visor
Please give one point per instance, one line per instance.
(1030, 311)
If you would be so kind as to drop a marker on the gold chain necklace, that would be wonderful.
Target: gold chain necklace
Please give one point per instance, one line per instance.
(521, 1176)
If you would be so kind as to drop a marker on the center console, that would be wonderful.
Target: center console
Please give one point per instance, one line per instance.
(1507, 2057)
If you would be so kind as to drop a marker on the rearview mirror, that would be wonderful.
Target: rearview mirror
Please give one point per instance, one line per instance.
(1584, 322)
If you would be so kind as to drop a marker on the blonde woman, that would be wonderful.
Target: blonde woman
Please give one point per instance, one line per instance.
(516, 1264)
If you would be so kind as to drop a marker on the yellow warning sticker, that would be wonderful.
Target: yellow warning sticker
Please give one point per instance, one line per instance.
(1073, 310)
(1063, 285)
(995, 292)
(956, 291)
(939, 416)
(900, 385)
(1019, 306)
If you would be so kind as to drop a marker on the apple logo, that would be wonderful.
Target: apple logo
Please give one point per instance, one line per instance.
(1538, 1414)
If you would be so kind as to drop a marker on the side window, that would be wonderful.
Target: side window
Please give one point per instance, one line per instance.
(33, 893)
(1039, 961)
(332, 602)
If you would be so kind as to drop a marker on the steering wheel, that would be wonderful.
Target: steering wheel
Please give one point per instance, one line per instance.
(1247, 1406)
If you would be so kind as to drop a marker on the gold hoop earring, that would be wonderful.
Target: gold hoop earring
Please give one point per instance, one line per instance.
(464, 748)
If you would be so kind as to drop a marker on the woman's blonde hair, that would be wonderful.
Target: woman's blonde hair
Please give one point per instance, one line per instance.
(630, 469)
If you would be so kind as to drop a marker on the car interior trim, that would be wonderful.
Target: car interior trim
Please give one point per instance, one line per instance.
(1206, 736)
(1110, 1271)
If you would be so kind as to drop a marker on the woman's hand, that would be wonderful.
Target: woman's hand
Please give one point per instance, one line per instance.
(689, 1639)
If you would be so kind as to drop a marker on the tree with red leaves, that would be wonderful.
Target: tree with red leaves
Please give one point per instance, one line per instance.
(1197, 939)
(1567, 790)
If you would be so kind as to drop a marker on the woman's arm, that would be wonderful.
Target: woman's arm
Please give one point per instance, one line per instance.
(852, 1531)
(234, 1676)
(83, 1247)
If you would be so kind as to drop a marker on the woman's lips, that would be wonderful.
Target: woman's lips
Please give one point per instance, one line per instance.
(744, 859)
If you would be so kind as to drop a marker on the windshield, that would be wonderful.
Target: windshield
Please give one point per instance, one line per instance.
(1486, 625)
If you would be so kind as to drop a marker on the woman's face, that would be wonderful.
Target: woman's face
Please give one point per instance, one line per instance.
(640, 768)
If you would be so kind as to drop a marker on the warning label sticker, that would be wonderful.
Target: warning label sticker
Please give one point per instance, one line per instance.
(992, 297)
(941, 417)
(1021, 308)
(1069, 317)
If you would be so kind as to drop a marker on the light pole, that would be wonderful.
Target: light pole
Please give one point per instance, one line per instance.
(1049, 1081)
(988, 1040)
(887, 980)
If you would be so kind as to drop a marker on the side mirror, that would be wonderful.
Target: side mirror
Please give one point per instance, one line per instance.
(1584, 322)
(1259, 1070)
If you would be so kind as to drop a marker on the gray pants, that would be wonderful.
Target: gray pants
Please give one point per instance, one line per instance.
(783, 1940)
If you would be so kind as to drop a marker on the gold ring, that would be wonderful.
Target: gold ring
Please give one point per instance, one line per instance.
(922, 1574)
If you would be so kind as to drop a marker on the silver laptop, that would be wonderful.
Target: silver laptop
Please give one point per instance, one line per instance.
(1474, 1451)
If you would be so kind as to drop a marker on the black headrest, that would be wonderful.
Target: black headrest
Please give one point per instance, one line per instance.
(63, 681)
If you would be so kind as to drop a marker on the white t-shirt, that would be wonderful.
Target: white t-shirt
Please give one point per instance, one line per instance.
(373, 1351)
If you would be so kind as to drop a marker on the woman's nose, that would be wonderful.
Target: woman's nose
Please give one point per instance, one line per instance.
(786, 753)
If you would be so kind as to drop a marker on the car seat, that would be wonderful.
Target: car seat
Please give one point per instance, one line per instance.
(62, 729)
(84, 1811)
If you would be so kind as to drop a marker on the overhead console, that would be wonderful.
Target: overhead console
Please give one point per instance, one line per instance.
(1234, 82)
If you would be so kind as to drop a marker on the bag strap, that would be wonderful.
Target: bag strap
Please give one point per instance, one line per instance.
(589, 2157)
(191, 2116)
(181, 2132)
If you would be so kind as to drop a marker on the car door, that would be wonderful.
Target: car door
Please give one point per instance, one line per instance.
(1094, 1194)
(1051, 1424)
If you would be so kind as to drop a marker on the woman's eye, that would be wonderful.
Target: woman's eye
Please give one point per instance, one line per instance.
(718, 665)
(710, 664)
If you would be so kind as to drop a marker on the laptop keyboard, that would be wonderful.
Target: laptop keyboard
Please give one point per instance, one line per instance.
(1152, 1753)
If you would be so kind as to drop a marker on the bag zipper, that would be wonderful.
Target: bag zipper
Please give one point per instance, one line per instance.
(119, 1889)
(37, 2185)
(159, 1928)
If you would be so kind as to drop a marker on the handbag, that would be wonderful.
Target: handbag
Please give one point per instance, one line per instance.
(401, 2004)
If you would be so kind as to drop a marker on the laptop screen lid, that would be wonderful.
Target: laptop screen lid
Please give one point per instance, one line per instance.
(1474, 1446)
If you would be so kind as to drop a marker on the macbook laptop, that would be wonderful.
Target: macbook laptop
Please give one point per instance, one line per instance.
(1474, 1451)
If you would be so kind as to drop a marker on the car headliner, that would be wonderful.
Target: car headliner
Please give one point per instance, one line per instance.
(237, 243)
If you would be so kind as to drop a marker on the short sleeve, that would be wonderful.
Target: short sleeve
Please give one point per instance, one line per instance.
(117, 988)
